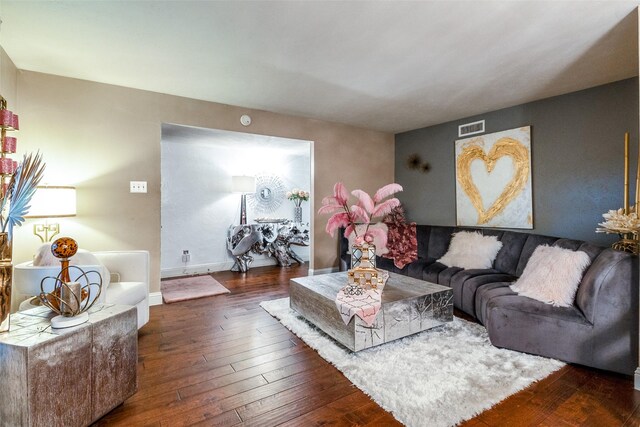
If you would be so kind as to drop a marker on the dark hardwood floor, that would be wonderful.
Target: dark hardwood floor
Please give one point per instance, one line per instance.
(225, 361)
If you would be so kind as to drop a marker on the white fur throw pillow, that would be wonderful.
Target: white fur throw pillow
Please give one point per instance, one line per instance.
(44, 256)
(552, 275)
(471, 250)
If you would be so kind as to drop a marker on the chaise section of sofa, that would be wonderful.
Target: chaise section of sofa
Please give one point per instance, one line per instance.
(600, 330)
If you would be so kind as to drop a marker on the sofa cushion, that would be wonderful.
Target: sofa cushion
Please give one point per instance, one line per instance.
(445, 275)
(431, 272)
(508, 257)
(439, 239)
(422, 235)
(386, 264)
(465, 285)
(459, 278)
(552, 275)
(128, 293)
(416, 268)
(578, 245)
(592, 250)
(531, 326)
(485, 293)
(471, 250)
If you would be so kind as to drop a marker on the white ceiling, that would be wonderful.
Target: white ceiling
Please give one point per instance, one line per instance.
(391, 66)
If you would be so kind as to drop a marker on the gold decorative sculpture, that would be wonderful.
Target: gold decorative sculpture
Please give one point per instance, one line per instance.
(624, 221)
(70, 299)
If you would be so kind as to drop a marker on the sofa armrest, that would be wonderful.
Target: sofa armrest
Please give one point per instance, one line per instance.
(610, 283)
(132, 266)
(610, 302)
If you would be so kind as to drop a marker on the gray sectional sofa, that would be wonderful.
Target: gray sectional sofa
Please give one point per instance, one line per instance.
(600, 330)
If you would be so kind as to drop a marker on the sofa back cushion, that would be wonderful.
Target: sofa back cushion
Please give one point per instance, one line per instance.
(578, 245)
(439, 239)
(422, 235)
(532, 242)
(492, 232)
(509, 255)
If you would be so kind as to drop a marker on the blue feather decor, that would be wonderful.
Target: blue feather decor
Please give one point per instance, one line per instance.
(24, 182)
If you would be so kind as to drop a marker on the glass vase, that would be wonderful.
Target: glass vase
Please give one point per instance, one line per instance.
(363, 255)
(6, 269)
(297, 214)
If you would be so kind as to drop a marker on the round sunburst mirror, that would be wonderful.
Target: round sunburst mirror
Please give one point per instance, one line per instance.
(269, 195)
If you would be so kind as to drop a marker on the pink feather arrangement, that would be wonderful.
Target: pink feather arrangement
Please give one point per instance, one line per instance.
(337, 220)
(386, 191)
(364, 212)
(364, 200)
(385, 207)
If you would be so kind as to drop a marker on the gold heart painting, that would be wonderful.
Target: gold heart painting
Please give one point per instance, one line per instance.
(493, 176)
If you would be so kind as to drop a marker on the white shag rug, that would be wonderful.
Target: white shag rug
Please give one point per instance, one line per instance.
(439, 377)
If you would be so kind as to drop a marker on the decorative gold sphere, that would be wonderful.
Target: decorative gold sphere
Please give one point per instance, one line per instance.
(64, 247)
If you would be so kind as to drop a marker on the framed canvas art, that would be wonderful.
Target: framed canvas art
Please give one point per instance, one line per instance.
(493, 180)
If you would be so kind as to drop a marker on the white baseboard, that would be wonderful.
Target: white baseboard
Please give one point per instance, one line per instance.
(209, 268)
(213, 267)
(636, 379)
(155, 298)
(318, 271)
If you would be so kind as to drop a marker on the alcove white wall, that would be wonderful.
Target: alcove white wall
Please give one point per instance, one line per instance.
(197, 204)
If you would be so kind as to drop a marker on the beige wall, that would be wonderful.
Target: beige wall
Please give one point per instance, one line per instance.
(98, 137)
(8, 79)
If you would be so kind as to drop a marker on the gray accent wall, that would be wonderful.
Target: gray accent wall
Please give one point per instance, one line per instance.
(577, 143)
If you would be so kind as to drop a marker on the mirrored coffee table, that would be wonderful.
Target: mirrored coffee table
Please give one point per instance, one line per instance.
(409, 306)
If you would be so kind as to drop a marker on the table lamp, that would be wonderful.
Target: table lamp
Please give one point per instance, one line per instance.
(244, 185)
(51, 202)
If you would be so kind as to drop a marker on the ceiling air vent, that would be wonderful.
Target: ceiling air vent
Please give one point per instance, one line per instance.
(471, 128)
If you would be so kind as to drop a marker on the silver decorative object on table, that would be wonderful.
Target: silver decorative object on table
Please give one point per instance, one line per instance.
(273, 239)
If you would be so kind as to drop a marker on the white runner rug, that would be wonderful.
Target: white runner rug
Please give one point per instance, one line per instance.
(439, 377)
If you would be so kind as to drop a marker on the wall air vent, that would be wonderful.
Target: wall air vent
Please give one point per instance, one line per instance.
(471, 128)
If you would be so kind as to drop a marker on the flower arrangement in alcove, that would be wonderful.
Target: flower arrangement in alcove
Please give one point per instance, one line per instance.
(298, 196)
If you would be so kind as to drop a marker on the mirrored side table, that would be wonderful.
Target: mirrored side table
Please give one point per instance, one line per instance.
(67, 377)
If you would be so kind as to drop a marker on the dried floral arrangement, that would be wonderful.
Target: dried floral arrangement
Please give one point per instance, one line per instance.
(618, 222)
(624, 221)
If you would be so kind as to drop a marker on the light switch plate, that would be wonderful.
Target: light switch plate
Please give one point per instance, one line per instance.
(137, 186)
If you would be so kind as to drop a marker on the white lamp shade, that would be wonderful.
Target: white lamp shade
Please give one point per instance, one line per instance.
(243, 184)
(53, 202)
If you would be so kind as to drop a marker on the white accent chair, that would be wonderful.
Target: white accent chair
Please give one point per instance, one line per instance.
(125, 280)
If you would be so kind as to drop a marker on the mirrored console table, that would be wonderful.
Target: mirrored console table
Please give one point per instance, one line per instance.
(271, 238)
